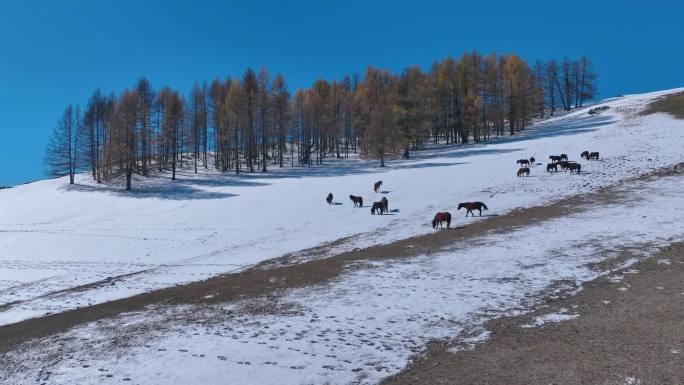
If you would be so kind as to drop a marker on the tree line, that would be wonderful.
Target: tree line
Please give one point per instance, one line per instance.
(253, 123)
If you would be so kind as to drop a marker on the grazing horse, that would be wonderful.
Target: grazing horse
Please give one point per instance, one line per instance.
(377, 206)
(563, 165)
(574, 167)
(329, 198)
(523, 162)
(376, 186)
(532, 160)
(593, 155)
(385, 204)
(470, 206)
(357, 200)
(550, 166)
(523, 171)
(555, 158)
(584, 154)
(441, 217)
(564, 156)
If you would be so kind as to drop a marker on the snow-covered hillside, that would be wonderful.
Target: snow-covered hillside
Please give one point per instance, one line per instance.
(55, 237)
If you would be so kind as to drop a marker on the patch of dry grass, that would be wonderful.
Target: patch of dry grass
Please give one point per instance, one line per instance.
(672, 104)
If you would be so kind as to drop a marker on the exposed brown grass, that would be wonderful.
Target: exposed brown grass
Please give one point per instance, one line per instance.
(672, 104)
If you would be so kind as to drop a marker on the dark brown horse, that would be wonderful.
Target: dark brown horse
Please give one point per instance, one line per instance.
(532, 160)
(329, 198)
(555, 158)
(593, 155)
(385, 204)
(470, 206)
(523, 171)
(564, 156)
(551, 166)
(357, 200)
(574, 167)
(523, 162)
(584, 154)
(441, 217)
(376, 186)
(378, 207)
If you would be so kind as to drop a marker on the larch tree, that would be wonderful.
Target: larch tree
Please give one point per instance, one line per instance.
(60, 155)
(243, 124)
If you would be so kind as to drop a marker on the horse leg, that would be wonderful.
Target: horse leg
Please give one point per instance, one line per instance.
(480, 211)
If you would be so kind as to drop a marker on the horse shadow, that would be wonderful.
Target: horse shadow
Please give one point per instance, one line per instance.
(386, 192)
(337, 203)
(394, 210)
(490, 215)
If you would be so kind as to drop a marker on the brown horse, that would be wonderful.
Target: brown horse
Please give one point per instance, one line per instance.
(551, 166)
(470, 206)
(329, 198)
(522, 162)
(376, 186)
(564, 164)
(564, 156)
(523, 171)
(357, 200)
(385, 204)
(378, 207)
(584, 154)
(593, 155)
(532, 160)
(441, 217)
(574, 167)
(555, 158)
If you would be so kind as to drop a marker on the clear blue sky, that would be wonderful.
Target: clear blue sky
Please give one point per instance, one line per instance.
(53, 53)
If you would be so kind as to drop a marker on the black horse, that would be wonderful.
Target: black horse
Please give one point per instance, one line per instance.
(563, 156)
(593, 155)
(584, 154)
(551, 166)
(329, 198)
(574, 167)
(357, 200)
(470, 206)
(378, 207)
(385, 204)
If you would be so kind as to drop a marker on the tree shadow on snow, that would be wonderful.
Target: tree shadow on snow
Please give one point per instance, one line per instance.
(170, 190)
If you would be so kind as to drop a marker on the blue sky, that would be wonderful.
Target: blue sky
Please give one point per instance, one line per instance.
(53, 53)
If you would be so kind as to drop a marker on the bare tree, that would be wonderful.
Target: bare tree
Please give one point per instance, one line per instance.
(60, 155)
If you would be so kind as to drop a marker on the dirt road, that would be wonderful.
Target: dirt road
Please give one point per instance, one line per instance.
(629, 330)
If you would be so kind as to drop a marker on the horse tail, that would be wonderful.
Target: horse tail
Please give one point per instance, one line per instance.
(484, 206)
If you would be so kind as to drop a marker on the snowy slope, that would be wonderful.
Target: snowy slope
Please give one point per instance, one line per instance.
(365, 324)
(54, 237)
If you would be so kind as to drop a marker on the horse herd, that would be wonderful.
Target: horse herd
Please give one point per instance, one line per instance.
(382, 206)
(556, 162)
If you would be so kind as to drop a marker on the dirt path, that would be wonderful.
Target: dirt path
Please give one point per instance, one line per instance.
(266, 280)
(629, 331)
